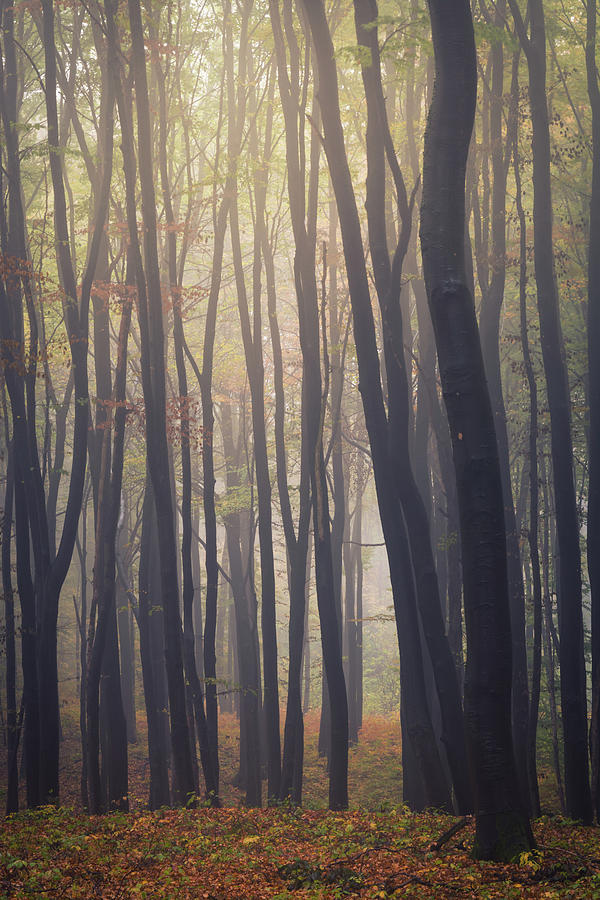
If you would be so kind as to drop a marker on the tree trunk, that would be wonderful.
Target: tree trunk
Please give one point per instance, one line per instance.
(245, 632)
(12, 788)
(593, 330)
(304, 230)
(150, 318)
(252, 341)
(388, 281)
(418, 721)
(192, 680)
(492, 289)
(533, 505)
(152, 656)
(502, 826)
(572, 661)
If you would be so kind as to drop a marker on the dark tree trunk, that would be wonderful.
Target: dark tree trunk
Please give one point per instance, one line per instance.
(28, 490)
(12, 787)
(82, 618)
(25, 587)
(417, 718)
(297, 546)
(247, 649)
(572, 661)
(307, 655)
(76, 317)
(126, 646)
(304, 230)
(152, 656)
(350, 557)
(103, 655)
(550, 638)
(252, 341)
(503, 828)
(50, 569)
(153, 382)
(387, 281)
(534, 505)
(220, 218)
(192, 680)
(593, 323)
(492, 289)
(359, 619)
(339, 489)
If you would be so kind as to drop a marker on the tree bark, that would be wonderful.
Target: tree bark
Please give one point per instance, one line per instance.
(418, 720)
(304, 230)
(502, 826)
(572, 661)
(593, 330)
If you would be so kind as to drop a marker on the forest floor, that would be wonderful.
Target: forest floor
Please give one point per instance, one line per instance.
(376, 849)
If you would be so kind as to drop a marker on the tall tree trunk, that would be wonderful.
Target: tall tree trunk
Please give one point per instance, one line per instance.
(82, 619)
(12, 788)
(152, 655)
(502, 826)
(252, 341)
(388, 281)
(245, 632)
(103, 654)
(125, 629)
(304, 230)
(297, 546)
(593, 330)
(572, 661)
(417, 719)
(192, 679)
(533, 504)
(550, 638)
(76, 317)
(153, 382)
(220, 218)
(492, 285)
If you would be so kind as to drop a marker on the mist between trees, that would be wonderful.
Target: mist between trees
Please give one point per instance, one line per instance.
(299, 323)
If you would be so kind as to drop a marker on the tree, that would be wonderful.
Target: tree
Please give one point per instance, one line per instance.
(502, 826)
(153, 378)
(572, 662)
(418, 727)
(593, 329)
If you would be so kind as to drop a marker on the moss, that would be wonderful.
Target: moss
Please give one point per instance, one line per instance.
(502, 837)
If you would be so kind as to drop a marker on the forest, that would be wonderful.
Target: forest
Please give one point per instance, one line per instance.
(299, 448)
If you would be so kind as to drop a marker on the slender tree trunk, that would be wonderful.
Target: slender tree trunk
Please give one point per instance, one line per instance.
(208, 468)
(418, 721)
(297, 546)
(125, 629)
(502, 826)
(103, 656)
(152, 656)
(12, 788)
(304, 229)
(153, 381)
(593, 330)
(83, 648)
(549, 642)
(245, 633)
(387, 281)
(192, 679)
(572, 661)
(252, 341)
(350, 622)
(533, 504)
(492, 283)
